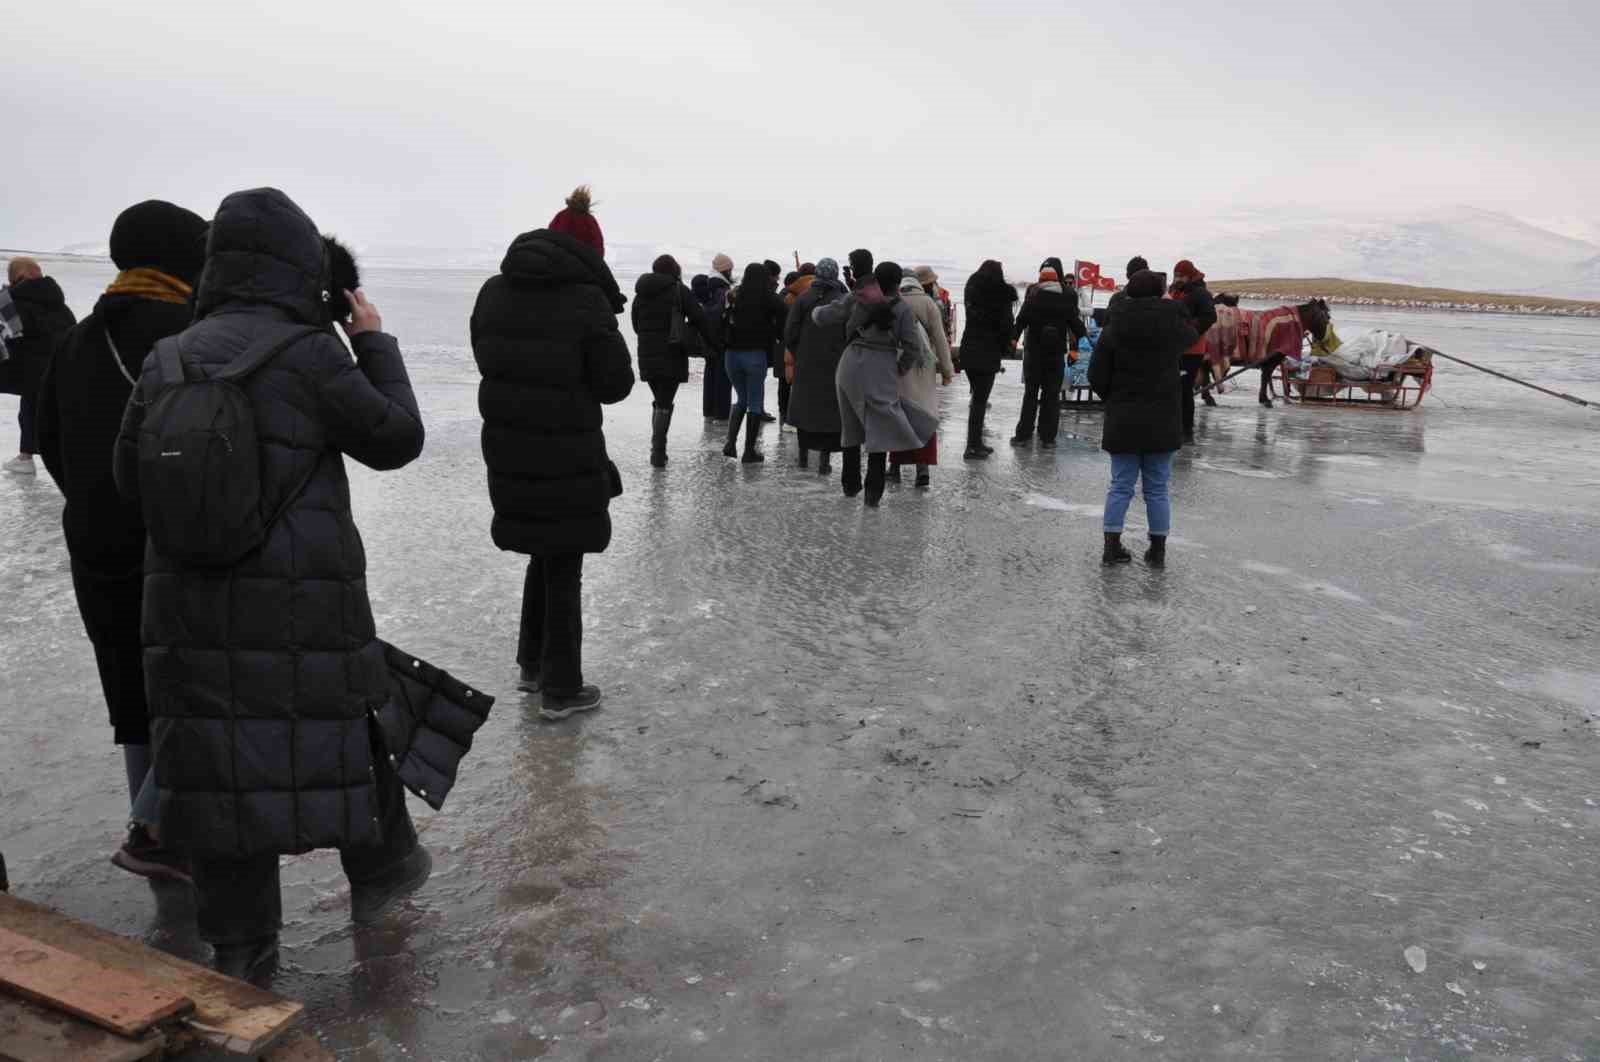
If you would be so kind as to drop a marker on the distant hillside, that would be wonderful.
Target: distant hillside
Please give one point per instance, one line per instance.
(1372, 293)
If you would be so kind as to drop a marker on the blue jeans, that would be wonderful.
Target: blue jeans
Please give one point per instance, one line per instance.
(748, 371)
(1128, 469)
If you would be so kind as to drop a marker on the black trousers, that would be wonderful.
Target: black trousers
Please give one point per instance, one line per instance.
(1041, 401)
(785, 388)
(717, 389)
(982, 383)
(238, 901)
(1191, 375)
(665, 391)
(551, 639)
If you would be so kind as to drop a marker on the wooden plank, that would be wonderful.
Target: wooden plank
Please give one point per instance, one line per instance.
(111, 999)
(32, 1033)
(227, 1013)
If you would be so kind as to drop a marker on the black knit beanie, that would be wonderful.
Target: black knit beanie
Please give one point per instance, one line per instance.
(156, 234)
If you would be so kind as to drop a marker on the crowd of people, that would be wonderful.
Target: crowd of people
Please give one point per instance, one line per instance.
(197, 422)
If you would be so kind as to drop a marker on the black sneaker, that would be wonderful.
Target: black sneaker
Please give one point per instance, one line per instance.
(1021, 440)
(976, 453)
(528, 682)
(987, 448)
(556, 707)
(250, 963)
(923, 481)
(140, 854)
(1051, 445)
(368, 902)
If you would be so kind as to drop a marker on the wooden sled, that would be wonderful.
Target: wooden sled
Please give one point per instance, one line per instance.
(1404, 388)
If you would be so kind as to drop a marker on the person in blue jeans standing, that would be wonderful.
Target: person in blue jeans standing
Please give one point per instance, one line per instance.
(755, 325)
(1138, 369)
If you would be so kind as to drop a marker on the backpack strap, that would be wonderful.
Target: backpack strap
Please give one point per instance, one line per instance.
(169, 359)
(255, 357)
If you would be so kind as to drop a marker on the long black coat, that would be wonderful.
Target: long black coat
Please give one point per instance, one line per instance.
(1137, 370)
(260, 677)
(814, 402)
(45, 318)
(544, 333)
(657, 297)
(990, 303)
(81, 401)
(1053, 325)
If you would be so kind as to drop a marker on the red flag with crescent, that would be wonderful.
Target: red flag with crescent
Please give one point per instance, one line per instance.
(1088, 273)
(1105, 283)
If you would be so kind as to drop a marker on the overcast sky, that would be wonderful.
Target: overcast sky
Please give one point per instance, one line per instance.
(462, 123)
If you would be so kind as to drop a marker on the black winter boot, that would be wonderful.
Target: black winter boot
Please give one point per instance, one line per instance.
(1114, 553)
(805, 457)
(1156, 555)
(894, 472)
(850, 478)
(735, 422)
(825, 463)
(752, 435)
(876, 473)
(660, 421)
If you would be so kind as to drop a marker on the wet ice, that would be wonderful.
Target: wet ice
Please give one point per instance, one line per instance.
(1012, 783)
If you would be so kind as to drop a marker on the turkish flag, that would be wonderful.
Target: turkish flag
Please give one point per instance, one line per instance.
(1105, 283)
(1088, 273)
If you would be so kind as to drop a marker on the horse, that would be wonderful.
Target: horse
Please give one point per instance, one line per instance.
(1258, 339)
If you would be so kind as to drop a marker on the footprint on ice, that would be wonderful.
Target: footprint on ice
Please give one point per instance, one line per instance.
(1418, 958)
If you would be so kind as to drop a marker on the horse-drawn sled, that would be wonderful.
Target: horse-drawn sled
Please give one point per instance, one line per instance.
(1379, 370)
(1298, 346)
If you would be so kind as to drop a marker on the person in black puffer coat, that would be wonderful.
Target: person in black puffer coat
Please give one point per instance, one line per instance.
(159, 249)
(44, 316)
(990, 301)
(755, 329)
(1050, 317)
(1136, 371)
(663, 313)
(262, 677)
(545, 336)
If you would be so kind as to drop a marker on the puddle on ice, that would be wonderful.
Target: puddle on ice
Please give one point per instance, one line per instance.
(1359, 460)
(1581, 689)
(1056, 505)
(1252, 473)
(1336, 592)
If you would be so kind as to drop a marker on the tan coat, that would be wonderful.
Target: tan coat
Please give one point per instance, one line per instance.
(921, 385)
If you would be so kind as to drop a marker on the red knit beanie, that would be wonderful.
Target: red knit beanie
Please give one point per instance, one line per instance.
(577, 222)
(1185, 270)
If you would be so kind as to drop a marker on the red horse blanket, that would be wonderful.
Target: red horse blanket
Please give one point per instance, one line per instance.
(1249, 337)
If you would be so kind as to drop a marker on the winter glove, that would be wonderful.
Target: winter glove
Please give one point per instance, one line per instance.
(906, 361)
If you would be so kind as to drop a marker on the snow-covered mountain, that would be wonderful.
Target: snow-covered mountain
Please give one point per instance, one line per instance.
(1461, 247)
(1451, 247)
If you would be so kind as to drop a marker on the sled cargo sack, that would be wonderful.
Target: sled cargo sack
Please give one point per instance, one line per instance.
(200, 457)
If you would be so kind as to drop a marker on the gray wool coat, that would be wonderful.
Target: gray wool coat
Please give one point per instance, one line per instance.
(871, 412)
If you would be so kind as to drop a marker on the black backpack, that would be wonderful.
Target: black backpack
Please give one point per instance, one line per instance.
(200, 458)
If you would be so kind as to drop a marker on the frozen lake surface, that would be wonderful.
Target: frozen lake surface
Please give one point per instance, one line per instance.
(930, 783)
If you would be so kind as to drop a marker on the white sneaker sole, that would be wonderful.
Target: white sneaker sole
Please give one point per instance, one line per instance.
(555, 715)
